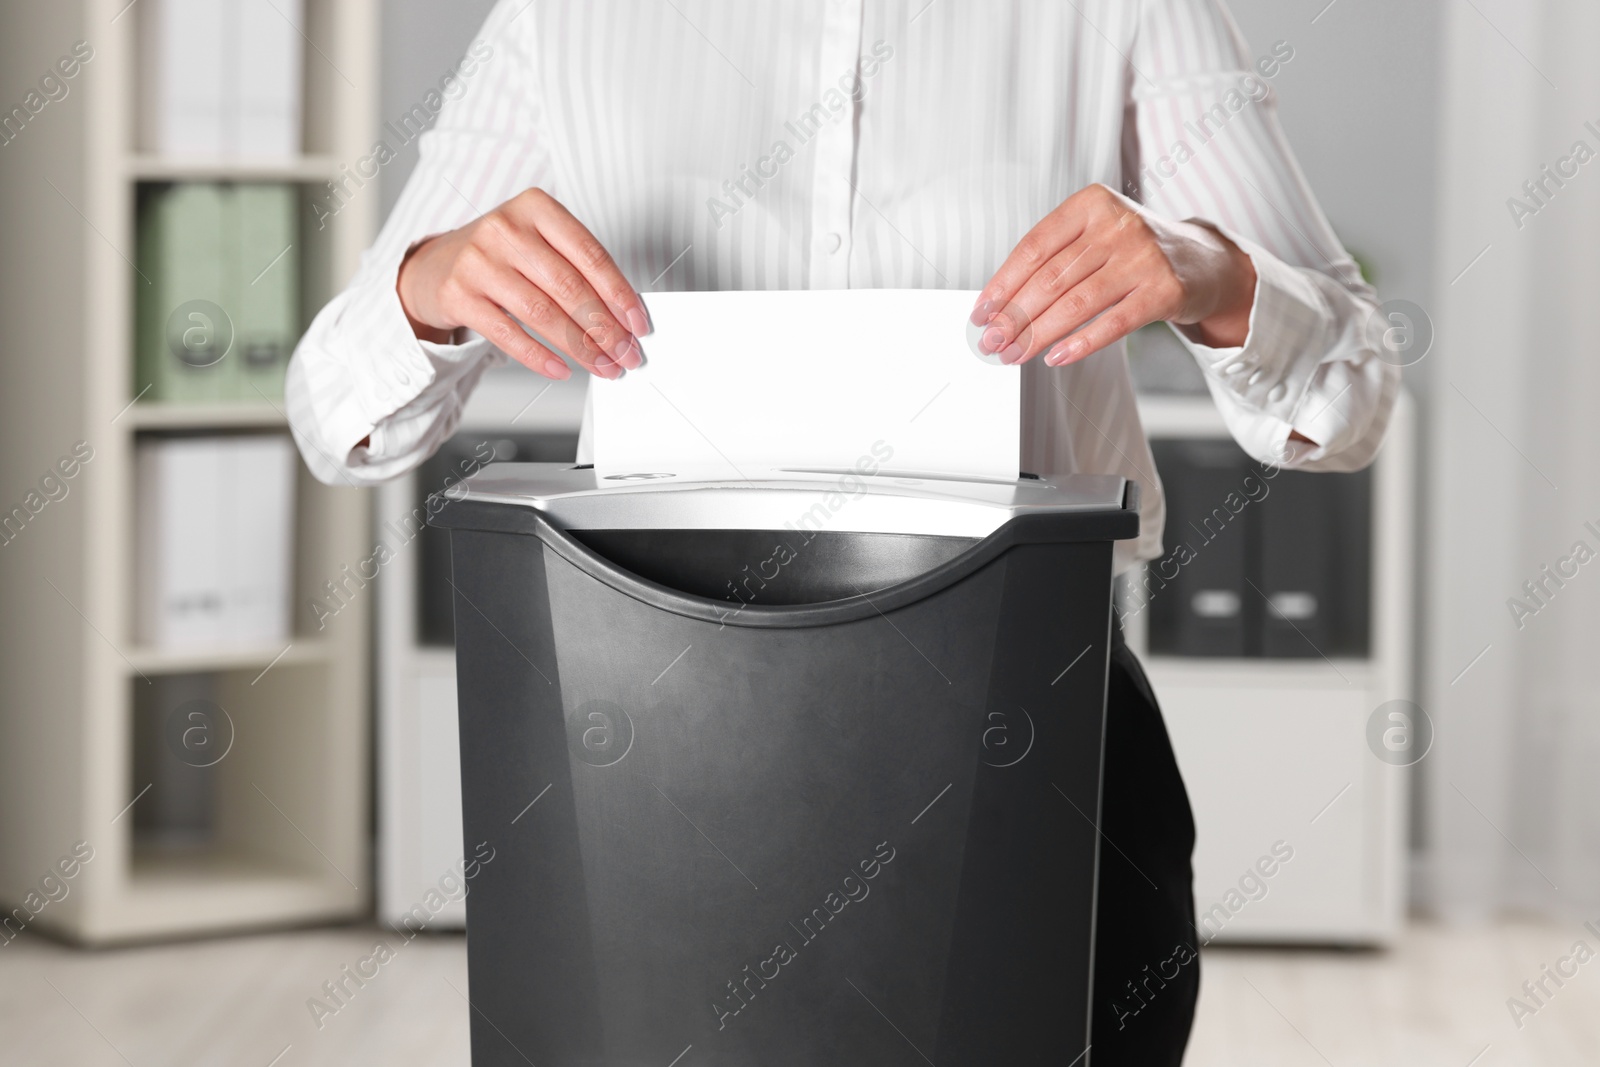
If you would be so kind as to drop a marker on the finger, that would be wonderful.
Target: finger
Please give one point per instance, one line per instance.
(1134, 311)
(1056, 231)
(1075, 309)
(583, 250)
(1057, 277)
(535, 308)
(484, 317)
(548, 271)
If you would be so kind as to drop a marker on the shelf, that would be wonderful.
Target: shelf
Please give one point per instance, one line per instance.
(300, 704)
(1256, 672)
(220, 891)
(163, 867)
(187, 661)
(301, 169)
(225, 415)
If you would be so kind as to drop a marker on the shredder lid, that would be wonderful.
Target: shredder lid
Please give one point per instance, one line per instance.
(579, 498)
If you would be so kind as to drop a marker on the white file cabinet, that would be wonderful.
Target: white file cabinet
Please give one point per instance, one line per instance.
(1301, 829)
(420, 848)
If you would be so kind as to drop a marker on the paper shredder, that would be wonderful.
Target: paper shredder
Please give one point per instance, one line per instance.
(795, 769)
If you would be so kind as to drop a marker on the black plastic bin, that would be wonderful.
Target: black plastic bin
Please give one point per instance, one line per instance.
(801, 771)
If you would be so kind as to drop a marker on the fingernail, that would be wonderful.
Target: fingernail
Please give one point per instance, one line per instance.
(992, 340)
(557, 369)
(627, 353)
(983, 311)
(1012, 352)
(1065, 352)
(638, 323)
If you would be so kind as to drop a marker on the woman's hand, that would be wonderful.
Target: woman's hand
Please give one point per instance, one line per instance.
(526, 262)
(1101, 254)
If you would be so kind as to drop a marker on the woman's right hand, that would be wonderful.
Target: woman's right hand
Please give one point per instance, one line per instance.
(526, 262)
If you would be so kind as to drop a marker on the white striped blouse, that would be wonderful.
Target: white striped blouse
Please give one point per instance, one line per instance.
(712, 144)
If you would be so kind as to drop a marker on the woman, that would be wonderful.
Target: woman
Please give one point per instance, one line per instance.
(1092, 166)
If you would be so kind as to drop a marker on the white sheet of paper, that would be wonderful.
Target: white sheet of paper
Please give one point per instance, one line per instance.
(738, 382)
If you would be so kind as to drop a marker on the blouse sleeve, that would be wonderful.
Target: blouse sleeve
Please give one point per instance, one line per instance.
(360, 374)
(1203, 143)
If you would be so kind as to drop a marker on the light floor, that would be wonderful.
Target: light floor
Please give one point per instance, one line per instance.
(1436, 1000)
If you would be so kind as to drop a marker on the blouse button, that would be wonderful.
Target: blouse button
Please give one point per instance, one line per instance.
(1278, 392)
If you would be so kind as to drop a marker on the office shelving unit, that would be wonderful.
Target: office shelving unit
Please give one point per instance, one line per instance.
(1275, 749)
(290, 810)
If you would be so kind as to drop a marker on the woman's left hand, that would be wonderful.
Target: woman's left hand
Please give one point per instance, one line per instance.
(1098, 268)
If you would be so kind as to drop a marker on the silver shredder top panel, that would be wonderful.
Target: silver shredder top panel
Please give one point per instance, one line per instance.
(579, 498)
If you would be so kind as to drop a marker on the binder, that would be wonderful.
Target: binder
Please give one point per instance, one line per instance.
(268, 280)
(1200, 604)
(231, 247)
(186, 55)
(186, 248)
(221, 78)
(214, 529)
(1283, 573)
(1314, 565)
(179, 599)
(267, 77)
(257, 518)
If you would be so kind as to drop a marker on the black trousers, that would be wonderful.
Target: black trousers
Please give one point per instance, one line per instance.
(1147, 964)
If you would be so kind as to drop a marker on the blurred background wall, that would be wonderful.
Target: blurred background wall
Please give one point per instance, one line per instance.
(420, 41)
(1513, 800)
(1360, 104)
